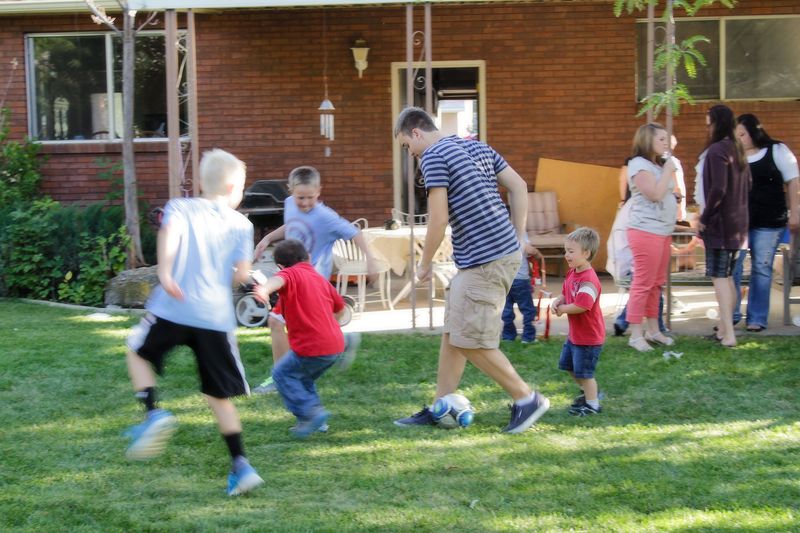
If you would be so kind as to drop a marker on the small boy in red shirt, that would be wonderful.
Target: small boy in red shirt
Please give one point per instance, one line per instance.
(580, 300)
(310, 306)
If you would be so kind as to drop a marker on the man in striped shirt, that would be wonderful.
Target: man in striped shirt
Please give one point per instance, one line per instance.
(461, 179)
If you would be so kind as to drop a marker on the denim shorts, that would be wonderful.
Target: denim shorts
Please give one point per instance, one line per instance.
(720, 263)
(580, 360)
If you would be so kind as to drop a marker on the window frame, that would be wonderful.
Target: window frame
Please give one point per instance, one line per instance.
(109, 79)
(722, 23)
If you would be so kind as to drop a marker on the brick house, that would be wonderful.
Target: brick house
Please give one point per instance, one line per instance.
(553, 79)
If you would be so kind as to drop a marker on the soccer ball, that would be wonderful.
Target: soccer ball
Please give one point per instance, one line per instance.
(453, 411)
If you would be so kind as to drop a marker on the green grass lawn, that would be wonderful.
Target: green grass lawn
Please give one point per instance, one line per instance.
(710, 442)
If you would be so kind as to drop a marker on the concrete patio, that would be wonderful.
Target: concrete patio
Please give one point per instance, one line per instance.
(690, 319)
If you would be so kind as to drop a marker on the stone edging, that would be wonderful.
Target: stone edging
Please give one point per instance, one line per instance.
(75, 307)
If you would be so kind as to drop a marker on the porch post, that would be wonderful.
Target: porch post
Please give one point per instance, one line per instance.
(191, 78)
(410, 161)
(429, 109)
(173, 125)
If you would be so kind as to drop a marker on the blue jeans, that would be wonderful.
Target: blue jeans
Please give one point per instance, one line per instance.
(622, 323)
(763, 246)
(522, 295)
(294, 378)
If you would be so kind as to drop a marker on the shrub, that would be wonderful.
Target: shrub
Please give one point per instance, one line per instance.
(68, 253)
(19, 168)
(101, 258)
(56, 252)
(29, 261)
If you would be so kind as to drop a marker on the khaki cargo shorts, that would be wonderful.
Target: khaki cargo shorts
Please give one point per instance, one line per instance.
(475, 302)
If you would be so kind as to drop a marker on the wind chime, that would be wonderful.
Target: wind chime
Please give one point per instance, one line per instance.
(326, 108)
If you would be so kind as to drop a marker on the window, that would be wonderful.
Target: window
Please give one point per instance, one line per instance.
(706, 84)
(760, 58)
(75, 86)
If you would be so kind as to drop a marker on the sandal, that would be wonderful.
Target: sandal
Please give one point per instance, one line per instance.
(638, 343)
(659, 338)
(712, 337)
(755, 329)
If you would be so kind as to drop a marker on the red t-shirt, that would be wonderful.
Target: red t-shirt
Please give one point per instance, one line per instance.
(308, 302)
(583, 290)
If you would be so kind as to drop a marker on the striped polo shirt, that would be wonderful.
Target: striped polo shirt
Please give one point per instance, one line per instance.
(481, 228)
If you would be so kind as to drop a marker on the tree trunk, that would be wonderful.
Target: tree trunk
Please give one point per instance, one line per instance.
(135, 256)
(650, 56)
(670, 40)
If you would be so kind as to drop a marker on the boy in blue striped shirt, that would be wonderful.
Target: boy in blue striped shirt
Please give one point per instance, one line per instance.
(461, 179)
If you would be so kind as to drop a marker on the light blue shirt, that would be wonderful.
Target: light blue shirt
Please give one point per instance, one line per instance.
(317, 230)
(213, 238)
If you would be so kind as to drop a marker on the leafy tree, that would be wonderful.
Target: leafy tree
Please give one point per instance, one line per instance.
(128, 34)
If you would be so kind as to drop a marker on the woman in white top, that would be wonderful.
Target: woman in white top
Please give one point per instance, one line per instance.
(652, 221)
(774, 169)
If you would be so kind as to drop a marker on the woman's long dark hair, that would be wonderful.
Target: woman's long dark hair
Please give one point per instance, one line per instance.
(723, 126)
(758, 134)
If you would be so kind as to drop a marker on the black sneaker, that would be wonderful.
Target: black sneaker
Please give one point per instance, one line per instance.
(618, 331)
(584, 410)
(524, 416)
(581, 399)
(422, 418)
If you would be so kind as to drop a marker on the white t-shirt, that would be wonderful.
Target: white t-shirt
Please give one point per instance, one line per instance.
(699, 193)
(784, 160)
(653, 217)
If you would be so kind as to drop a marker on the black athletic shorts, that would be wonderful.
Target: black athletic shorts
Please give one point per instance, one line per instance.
(216, 352)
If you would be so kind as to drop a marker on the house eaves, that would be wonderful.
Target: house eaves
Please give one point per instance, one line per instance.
(32, 7)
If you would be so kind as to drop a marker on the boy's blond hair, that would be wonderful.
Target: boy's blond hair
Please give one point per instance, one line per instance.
(218, 169)
(304, 176)
(587, 239)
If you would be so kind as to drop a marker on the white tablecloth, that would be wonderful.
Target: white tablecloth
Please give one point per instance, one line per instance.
(393, 244)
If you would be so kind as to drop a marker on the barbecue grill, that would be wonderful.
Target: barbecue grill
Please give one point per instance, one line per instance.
(263, 204)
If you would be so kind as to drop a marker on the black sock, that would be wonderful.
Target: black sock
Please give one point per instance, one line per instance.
(235, 446)
(148, 398)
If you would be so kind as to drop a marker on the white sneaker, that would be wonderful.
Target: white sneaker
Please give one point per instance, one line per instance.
(659, 338)
(638, 343)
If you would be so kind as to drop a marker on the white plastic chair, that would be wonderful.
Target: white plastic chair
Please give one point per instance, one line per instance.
(443, 267)
(350, 261)
(405, 219)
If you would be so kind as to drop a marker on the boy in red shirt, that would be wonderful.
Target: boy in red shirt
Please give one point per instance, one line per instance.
(310, 306)
(580, 300)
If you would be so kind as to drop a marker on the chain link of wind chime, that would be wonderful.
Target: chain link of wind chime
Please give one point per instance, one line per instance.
(326, 108)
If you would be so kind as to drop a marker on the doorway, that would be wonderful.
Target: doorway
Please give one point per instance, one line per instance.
(459, 108)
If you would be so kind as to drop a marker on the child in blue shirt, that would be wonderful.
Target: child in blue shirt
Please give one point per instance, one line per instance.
(204, 246)
(317, 226)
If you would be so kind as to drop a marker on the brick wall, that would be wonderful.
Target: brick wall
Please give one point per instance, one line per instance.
(560, 84)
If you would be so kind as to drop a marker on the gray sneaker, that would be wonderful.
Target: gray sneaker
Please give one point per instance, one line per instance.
(266, 387)
(306, 427)
(352, 340)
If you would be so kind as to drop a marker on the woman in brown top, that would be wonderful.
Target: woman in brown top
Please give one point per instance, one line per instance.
(724, 221)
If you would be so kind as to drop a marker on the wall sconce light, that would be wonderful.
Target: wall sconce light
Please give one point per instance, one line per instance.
(360, 50)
